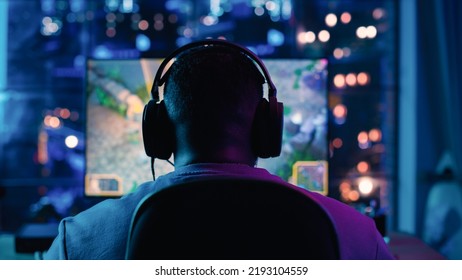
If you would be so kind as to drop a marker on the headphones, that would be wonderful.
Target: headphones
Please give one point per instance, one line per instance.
(158, 131)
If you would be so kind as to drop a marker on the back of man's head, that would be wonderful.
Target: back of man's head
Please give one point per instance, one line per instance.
(211, 94)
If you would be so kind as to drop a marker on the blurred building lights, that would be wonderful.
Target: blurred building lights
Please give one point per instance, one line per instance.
(365, 186)
(50, 26)
(127, 6)
(259, 11)
(363, 137)
(340, 111)
(331, 20)
(363, 78)
(143, 43)
(71, 141)
(353, 195)
(271, 5)
(209, 20)
(64, 113)
(339, 80)
(345, 17)
(350, 79)
(296, 118)
(275, 38)
(364, 32)
(306, 37)
(362, 167)
(378, 13)
(375, 135)
(324, 36)
(371, 31)
(345, 186)
(143, 25)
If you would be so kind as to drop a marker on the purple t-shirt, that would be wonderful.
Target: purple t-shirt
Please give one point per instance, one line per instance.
(101, 231)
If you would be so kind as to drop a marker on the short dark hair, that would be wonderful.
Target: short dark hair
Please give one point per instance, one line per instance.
(215, 83)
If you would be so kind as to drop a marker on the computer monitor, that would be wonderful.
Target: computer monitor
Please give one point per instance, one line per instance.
(117, 90)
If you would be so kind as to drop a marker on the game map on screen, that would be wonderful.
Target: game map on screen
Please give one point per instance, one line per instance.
(117, 90)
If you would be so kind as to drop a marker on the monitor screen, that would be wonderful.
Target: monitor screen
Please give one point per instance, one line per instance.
(117, 90)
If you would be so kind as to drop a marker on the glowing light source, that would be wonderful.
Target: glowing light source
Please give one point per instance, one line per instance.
(363, 78)
(361, 32)
(375, 135)
(143, 43)
(362, 167)
(363, 137)
(350, 79)
(365, 186)
(324, 36)
(339, 80)
(143, 25)
(275, 37)
(353, 195)
(71, 141)
(340, 111)
(345, 186)
(54, 122)
(297, 118)
(331, 20)
(306, 37)
(345, 17)
(371, 31)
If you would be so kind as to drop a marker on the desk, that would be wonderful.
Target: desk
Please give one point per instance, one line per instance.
(408, 247)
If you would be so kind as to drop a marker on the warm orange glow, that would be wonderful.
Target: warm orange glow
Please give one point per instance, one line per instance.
(340, 111)
(363, 137)
(54, 122)
(339, 80)
(42, 149)
(345, 187)
(363, 78)
(362, 167)
(361, 32)
(353, 195)
(337, 143)
(351, 79)
(345, 18)
(375, 135)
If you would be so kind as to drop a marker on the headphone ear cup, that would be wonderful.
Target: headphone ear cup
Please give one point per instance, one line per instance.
(267, 128)
(158, 134)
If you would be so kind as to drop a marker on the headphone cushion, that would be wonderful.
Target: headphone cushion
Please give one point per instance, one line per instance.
(158, 134)
(267, 129)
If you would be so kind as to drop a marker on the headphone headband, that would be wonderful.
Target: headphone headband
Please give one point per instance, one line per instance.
(158, 80)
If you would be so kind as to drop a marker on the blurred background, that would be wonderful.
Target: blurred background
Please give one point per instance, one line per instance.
(393, 92)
